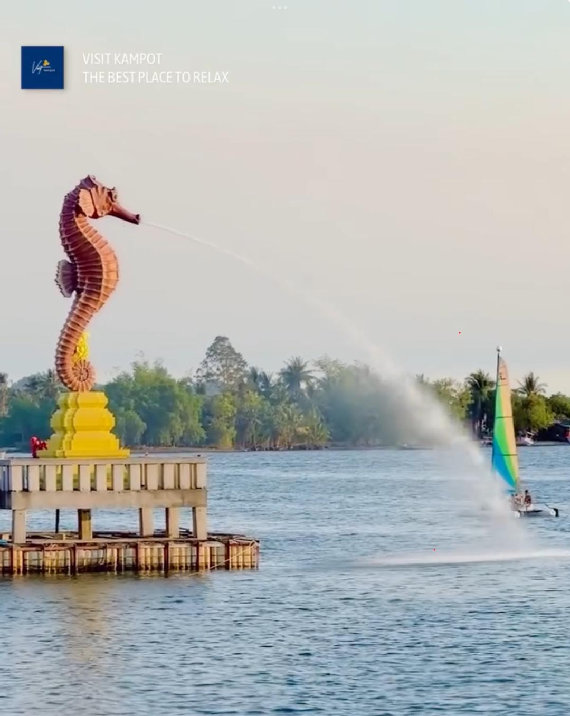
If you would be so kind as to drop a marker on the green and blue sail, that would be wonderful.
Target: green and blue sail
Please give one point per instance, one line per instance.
(504, 458)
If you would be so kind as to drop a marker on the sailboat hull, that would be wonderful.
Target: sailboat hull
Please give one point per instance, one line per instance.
(537, 511)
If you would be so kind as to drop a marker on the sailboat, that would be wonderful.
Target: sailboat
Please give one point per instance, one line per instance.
(504, 458)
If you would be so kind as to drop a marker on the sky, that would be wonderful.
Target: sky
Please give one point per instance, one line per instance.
(405, 162)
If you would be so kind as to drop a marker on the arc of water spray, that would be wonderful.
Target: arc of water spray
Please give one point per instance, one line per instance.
(484, 488)
(331, 312)
(334, 315)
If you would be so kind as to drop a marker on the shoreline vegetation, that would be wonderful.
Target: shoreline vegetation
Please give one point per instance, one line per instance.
(230, 406)
(138, 451)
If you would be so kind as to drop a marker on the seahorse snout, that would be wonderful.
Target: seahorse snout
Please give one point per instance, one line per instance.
(121, 213)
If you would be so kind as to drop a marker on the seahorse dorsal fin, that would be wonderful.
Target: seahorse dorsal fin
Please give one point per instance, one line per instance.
(66, 277)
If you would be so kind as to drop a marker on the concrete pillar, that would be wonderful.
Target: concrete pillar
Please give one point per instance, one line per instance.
(18, 526)
(146, 522)
(173, 522)
(85, 526)
(199, 522)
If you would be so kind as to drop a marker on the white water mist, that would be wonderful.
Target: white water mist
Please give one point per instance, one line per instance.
(425, 416)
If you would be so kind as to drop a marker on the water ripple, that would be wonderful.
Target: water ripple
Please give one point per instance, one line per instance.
(351, 613)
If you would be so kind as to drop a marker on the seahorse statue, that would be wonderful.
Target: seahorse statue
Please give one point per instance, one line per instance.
(91, 273)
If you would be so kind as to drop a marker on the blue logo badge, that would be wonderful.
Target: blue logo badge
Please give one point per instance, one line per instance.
(42, 67)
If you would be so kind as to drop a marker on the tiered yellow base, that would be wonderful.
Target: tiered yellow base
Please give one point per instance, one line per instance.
(82, 428)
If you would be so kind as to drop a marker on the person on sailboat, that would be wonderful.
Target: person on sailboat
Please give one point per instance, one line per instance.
(517, 501)
(527, 498)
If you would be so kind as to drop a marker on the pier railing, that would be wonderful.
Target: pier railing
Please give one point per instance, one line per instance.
(52, 475)
(144, 483)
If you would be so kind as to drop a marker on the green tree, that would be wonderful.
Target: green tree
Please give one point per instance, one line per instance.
(531, 385)
(221, 430)
(266, 384)
(223, 367)
(43, 386)
(531, 413)
(313, 433)
(287, 421)
(560, 406)
(129, 427)
(3, 394)
(253, 378)
(250, 414)
(454, 395)
(296, 376)
(26, 417)
(480, 386)
(168, 407)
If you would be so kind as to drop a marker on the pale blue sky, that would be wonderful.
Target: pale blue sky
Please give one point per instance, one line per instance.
(408, 160)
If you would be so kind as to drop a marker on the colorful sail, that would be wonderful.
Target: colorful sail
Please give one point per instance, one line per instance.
(504, 459)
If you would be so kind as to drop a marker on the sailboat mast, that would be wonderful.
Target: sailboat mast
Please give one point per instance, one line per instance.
(499, 349)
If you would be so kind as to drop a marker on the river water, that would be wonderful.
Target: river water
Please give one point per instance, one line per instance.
(382, 590)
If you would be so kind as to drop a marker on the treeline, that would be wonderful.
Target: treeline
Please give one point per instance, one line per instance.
(229, 404)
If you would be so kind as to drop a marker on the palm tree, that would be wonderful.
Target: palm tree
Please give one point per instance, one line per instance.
(44, 386)
(296, 376)
(313, 432)
(253, 376)
(266, 384)
(260, 381)
(288, 419)
(531, 386)
(480, 386)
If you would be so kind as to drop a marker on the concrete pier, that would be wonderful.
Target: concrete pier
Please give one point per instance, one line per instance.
(85, 485)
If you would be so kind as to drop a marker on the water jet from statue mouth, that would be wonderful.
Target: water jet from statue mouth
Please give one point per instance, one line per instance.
(421, 411)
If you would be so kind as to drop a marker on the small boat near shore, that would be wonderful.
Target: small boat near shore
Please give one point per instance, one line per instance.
(504, 456)
(524, 441)
(536, 510)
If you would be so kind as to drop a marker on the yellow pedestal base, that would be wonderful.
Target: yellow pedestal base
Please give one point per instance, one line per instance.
(82, 428)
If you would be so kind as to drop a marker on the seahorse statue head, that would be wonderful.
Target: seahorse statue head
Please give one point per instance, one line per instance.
(96, 200)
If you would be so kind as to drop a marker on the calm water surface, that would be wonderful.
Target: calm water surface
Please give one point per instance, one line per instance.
(458, 622)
